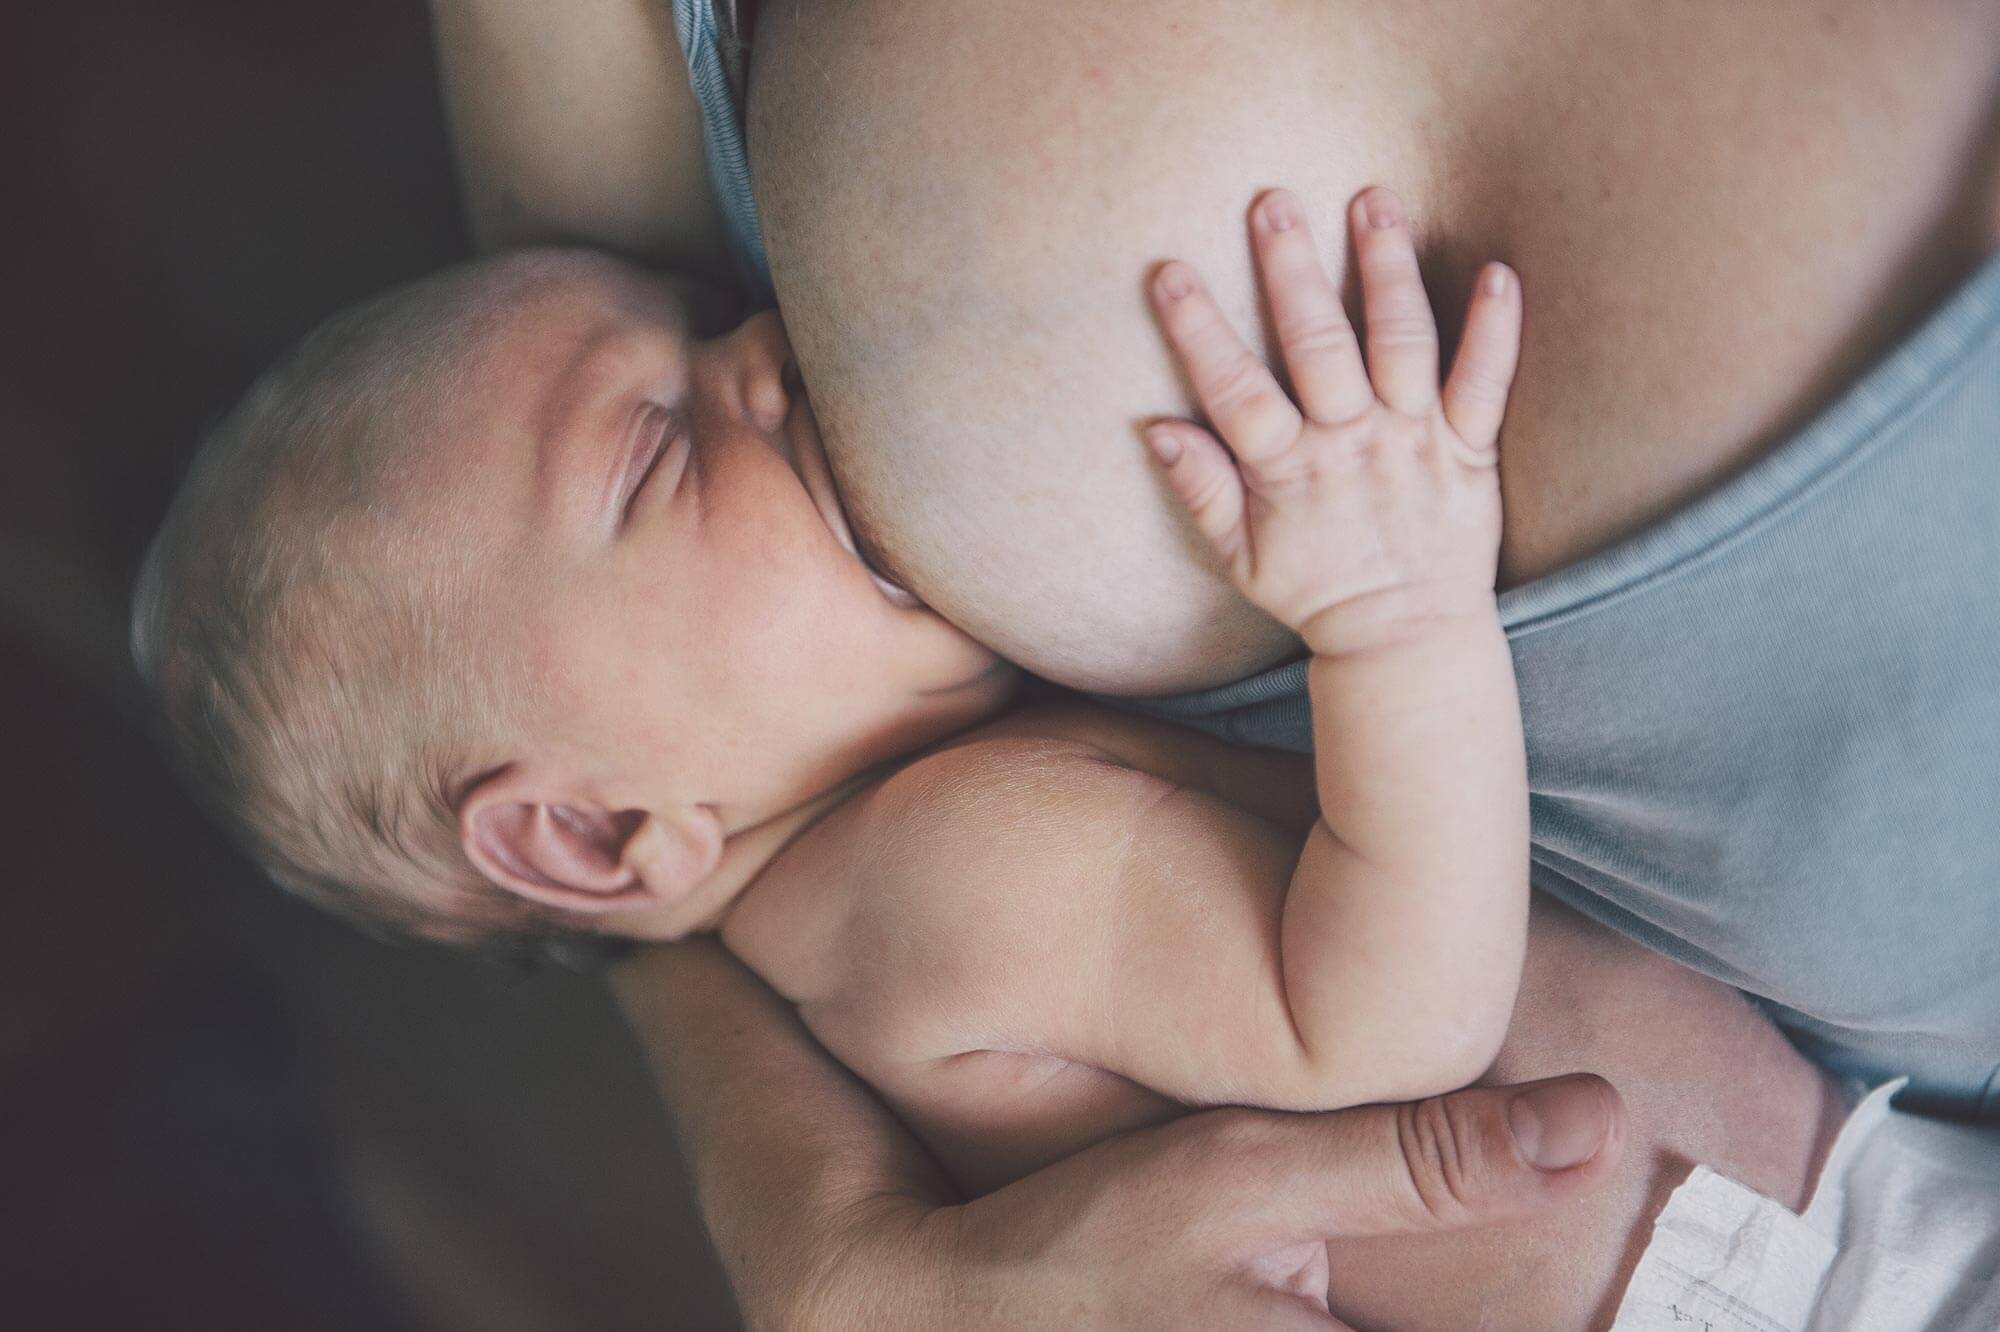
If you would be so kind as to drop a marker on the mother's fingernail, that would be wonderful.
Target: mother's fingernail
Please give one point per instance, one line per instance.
(1560, 1123)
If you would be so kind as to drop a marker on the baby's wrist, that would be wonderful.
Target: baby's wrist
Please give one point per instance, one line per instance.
(1399, 617)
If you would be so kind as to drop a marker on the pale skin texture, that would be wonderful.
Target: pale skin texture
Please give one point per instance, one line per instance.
(1067, 924)
(720, 676)
(668, 554)
(826, 1212)
(1723, 212)
(997, 935)
(1063, 922)
(1789, 119)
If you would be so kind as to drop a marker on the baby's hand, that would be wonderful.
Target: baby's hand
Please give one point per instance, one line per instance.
(1378, 508)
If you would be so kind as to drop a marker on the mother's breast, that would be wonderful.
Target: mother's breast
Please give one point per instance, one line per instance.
(962, 203)
(960, 229)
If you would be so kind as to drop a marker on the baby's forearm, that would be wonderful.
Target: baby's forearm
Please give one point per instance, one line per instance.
(1405, 922)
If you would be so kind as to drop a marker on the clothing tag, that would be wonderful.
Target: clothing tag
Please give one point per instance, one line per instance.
(1725, 1259)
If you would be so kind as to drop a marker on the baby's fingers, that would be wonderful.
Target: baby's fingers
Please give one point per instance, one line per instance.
(1319, 344)
(1204, 477)
(1475, 397)
(1243, 402)
(1402, 335)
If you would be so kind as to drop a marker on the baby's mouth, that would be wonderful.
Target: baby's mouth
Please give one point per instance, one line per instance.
(893, 591)
(808, 458)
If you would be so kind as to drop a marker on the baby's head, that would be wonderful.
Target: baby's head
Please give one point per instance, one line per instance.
(501, 606)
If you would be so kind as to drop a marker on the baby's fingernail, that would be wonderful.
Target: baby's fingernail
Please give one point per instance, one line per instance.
(1497, 277)
(1175, 282)
(1165, 444)
(1383, 210)
(1280, 213)
(1560, 1123)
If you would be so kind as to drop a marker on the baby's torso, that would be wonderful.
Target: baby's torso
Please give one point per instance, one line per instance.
(1720, 214)
(1017, 834)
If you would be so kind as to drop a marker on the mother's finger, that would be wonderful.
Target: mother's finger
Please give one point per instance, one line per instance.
(1474, 1157)
(1319, 345)
(1401, 333)
(1245, 404)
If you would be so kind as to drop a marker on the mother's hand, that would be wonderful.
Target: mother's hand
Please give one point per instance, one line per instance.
(828, 1214)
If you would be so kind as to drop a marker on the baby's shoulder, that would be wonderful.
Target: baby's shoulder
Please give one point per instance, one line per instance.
(1077, 776)
(1008, 844)
(1016, 791)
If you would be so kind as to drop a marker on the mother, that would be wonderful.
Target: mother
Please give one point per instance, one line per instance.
(960, 201)
(1757, 710)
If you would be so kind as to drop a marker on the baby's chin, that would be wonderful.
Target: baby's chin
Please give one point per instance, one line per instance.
(988, 687)
(892, 591)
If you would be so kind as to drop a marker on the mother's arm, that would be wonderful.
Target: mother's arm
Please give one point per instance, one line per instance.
(575, 122)
(826, 1213)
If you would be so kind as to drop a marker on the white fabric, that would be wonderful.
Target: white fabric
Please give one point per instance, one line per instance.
(1903, 1233)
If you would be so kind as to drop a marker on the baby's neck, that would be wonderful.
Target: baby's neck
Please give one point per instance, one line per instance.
(750, 853)
(790, 863)
(782, 922)
(785, 922)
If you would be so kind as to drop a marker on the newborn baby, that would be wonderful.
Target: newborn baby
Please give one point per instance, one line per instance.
(488, 613)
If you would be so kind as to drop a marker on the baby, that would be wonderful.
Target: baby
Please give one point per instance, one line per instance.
(502, 609)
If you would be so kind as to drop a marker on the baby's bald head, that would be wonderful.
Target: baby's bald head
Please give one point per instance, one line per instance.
(311, 623)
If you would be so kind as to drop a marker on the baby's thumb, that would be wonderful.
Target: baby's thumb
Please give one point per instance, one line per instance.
(1204, 477)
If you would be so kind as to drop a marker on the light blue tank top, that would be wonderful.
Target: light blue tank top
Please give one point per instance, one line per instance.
(1763, 736)
(716, 91)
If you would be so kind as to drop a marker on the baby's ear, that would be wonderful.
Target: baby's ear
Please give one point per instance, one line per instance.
(576, 855)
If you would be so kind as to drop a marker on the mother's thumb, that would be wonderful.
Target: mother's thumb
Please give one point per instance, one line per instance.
(1562, 1122)
(1496, 1153)
(1474, 1157)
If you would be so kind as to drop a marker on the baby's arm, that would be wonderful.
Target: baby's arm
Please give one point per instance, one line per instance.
(1071, 926)
(1367, 518)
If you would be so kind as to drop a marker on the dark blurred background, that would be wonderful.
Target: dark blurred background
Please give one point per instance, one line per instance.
(218, 1110)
